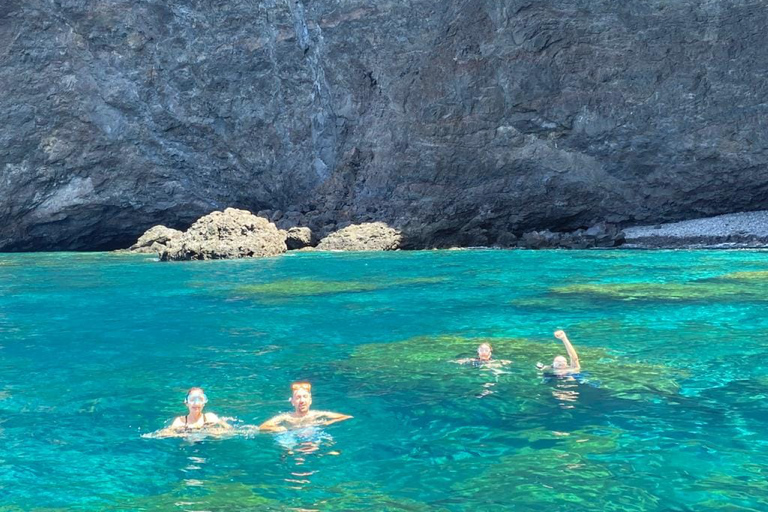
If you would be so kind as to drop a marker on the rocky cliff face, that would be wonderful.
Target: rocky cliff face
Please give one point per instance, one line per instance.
(455, 121)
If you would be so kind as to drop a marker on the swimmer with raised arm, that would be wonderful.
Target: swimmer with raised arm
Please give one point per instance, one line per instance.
(561, 367)
(484, 357)
(302, 416)
(196, 419)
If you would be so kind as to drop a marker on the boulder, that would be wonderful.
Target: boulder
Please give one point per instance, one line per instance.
(299, 238)
(371, 236)
(155, 239)
(229, 234)
(599, 235)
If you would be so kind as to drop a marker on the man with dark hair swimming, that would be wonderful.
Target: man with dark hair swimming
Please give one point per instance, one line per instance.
(561, 367)
(302, 416)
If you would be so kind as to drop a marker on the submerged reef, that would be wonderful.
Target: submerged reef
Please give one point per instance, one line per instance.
(427, 363)
(304, 287)
(740, 286)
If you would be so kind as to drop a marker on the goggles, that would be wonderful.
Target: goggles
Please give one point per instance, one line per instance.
(301, 385)
(196, 399)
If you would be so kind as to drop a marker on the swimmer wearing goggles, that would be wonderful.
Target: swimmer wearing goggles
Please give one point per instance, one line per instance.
(302, 416)
(196, 418)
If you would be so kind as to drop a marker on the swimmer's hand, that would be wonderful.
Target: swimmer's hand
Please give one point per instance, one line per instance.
(560, 334)
(540, 366)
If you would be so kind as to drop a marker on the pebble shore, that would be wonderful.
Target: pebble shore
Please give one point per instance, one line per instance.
(733, 230)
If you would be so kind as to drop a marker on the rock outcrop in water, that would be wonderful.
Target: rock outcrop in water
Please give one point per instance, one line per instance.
(232, 233)
(155, 240)
(299, 238)
(455, 122)
(370, 236)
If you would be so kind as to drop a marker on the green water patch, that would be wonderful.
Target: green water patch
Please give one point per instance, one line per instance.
(220, 496)
(288, 288)
(729, 491)
(753, 275)
(197, 495)
(428, 364)
(363, 496)
(717, 289)
(10, 508)
(564, 475)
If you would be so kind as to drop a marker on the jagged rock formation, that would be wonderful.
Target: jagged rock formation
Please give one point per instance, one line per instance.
(599, 235)
(299, 238)
(223, 235)
(370, 236)
(459, 123)
(155, 240)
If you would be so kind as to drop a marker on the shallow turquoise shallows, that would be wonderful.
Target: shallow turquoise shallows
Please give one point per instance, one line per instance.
(671, 413)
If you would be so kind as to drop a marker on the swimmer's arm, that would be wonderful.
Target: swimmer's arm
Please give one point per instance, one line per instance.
(463, 361)
(572, 355)
(172, 430)
(332, 417)
(212, 418)
(273, 424)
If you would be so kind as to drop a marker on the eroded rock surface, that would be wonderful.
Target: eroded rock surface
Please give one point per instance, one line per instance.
(299, 238)
(155, 240)
(232, 233)
(456, 122)
(371, 236)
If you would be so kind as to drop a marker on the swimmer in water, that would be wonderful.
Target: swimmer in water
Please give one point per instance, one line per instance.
(302, 416)
(196, 418)
(560, 366)
(484, 357)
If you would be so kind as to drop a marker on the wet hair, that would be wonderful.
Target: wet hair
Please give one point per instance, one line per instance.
(486, 344)
(559, 362)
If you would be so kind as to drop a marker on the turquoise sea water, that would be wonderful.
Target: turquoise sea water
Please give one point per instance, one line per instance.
(98, 349)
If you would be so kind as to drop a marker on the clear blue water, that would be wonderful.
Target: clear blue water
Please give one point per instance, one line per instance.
(98, 349)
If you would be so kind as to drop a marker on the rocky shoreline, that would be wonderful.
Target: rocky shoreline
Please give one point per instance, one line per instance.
(237, 233)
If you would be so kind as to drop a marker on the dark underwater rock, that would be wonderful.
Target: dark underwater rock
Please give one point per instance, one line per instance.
(455, 122)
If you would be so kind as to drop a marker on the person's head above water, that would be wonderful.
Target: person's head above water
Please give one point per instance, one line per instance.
(484, 352)
(195, 400)
(301, 397)
(559, 363)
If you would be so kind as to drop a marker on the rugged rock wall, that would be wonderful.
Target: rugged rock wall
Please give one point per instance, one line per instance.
(453, 120)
